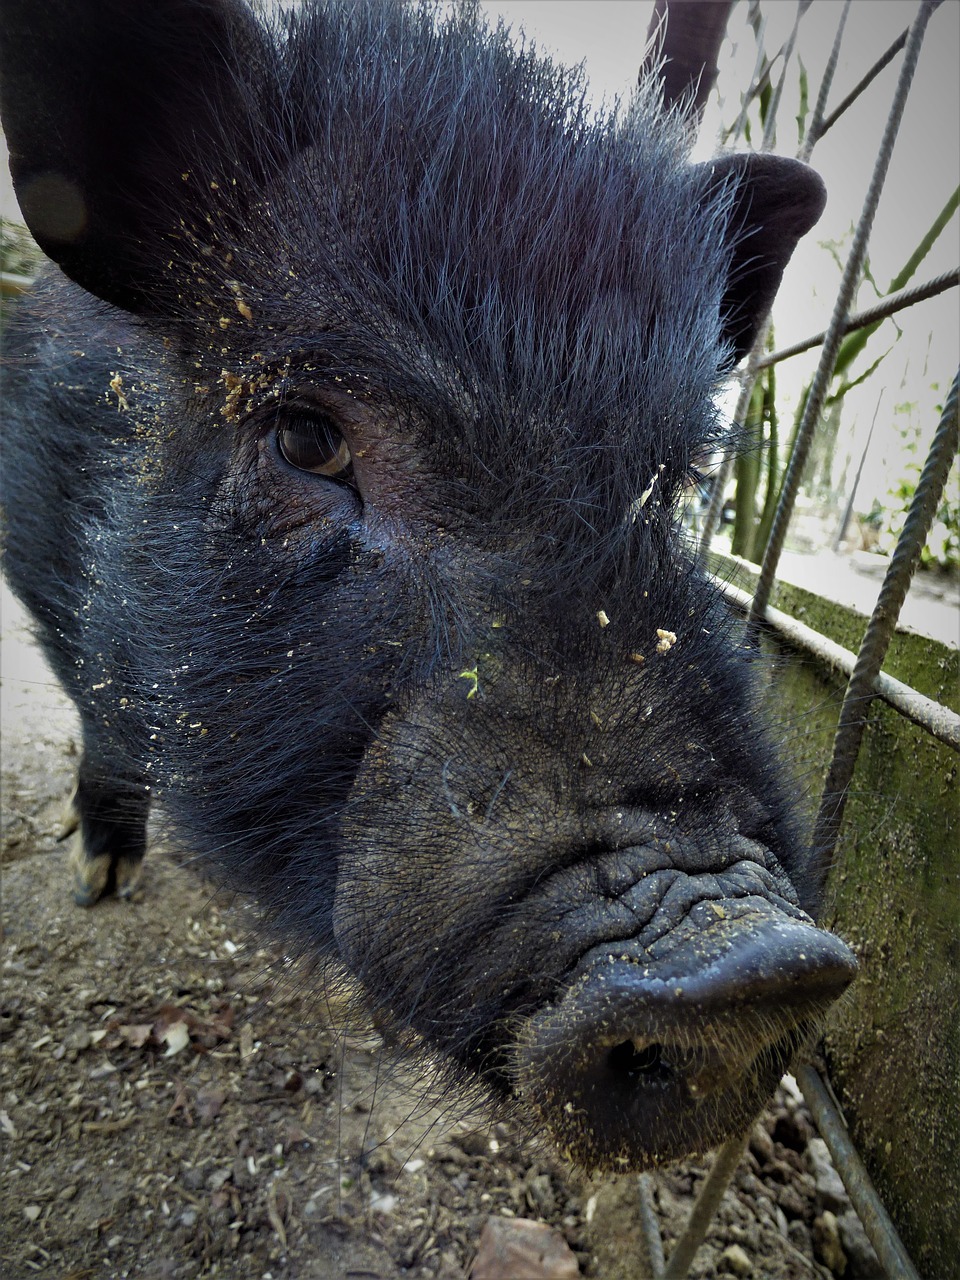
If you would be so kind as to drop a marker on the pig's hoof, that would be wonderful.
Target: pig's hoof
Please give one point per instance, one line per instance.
(101, 876)
(90, 875)
(69, 817)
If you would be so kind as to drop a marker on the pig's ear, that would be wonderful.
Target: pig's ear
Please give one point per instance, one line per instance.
(774, 202)
(113, 111)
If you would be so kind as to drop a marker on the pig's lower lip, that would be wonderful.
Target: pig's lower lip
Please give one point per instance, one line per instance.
(644, 1101)
(631, 1068)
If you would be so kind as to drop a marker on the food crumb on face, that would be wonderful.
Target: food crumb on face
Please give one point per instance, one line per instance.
(116, 386)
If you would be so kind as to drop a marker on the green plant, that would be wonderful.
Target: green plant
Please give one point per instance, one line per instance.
(942, 549)
(19, 255)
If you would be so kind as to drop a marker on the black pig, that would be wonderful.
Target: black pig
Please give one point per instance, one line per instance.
(343, 459)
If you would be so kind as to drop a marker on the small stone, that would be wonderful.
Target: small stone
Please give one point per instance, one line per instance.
(209, 1103)
(798, 1233)
(826, 1243)
(194, 1178)
(473, 1143)
(162, 1269)
(382, 1163)
(790, 1091)
(734, 1261)
(830, 1189)
(864, 1263)
(779, 1171)
(383, 1202)
(518, 1249)
(76, 1040)
(793, 1130)
(746, 1234)
(791, 1201)
(216, 1179)
(31, 1212)
(761, 1144)
(540, 1194)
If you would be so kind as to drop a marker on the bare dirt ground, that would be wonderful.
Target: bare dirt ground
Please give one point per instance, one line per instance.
(177, 1102)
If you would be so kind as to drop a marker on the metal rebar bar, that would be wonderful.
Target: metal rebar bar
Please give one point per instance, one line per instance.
(816, 120)
(877, 1223)
(757, 80)
(928, 714)
(876, 640)
(831, 346)
(722, 474)
(650, 1228)
(770, 127)
(844, 524)
(754, 362)
(890, 305)
(865, 83)
(707, 1203)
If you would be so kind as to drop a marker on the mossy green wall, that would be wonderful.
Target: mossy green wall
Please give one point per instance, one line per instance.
(893, 1043)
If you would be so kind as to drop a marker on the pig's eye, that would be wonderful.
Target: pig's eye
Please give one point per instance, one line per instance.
(314, 443)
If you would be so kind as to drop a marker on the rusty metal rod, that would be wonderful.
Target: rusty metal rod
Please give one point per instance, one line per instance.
(748, 378)
(877, 1223)
(819, 387)
(773, 109)
(879, 632)
(826, 84)
(893, 303)
(758, 80)
(650, 1228)
(939, 721)
(707, 1203)
(867, 80)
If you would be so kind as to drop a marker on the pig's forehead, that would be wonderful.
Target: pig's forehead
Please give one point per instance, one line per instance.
(561, 230)
(590, 291)
(433, 165)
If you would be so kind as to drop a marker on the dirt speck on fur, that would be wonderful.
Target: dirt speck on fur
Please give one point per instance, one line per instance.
(178, 1100)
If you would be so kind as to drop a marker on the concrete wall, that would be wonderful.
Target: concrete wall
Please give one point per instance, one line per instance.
(893, 1044)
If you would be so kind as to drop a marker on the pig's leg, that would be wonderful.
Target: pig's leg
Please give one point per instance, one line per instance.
(107, 826)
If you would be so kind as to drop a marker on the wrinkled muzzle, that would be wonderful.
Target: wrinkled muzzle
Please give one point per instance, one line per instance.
(639, 1063)
(637, 976)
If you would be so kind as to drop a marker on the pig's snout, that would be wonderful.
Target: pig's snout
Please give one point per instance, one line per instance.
(642, 1062)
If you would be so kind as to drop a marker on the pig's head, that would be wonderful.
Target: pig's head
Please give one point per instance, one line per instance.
(420, 357)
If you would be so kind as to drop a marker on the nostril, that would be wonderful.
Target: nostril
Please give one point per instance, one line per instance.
(627, 1059)
(637, 1064)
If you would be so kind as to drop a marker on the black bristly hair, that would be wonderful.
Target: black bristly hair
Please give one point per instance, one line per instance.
(400, 700)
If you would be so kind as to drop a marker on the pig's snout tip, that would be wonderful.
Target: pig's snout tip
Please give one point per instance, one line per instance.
(636, 1065)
